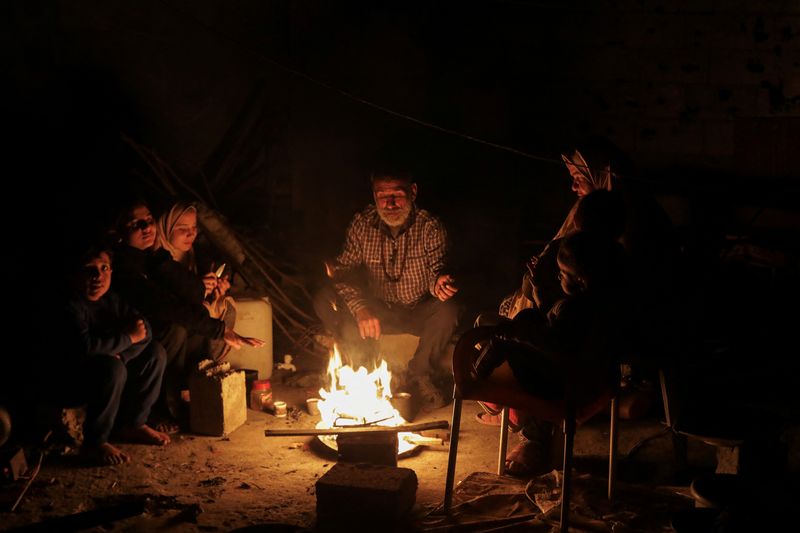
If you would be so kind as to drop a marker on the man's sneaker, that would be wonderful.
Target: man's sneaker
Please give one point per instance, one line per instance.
(429, 397)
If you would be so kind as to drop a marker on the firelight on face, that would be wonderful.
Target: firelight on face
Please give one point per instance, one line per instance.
(97, 277)
(185, 231)
(393, 200)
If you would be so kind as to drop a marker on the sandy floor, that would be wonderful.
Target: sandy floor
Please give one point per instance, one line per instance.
(219, 484)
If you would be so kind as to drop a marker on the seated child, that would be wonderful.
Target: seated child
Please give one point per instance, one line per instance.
(113, 366)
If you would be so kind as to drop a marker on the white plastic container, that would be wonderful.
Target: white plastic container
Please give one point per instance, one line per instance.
(254, 319)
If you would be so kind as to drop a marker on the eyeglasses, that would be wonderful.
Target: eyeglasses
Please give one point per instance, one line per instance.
(141, 224)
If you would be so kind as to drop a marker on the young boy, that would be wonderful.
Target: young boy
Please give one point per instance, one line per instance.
(115, 367)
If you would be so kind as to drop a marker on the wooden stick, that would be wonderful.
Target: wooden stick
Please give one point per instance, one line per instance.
(437, 424)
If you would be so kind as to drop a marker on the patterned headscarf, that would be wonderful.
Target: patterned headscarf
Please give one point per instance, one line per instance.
(166, 225)
(596, 170)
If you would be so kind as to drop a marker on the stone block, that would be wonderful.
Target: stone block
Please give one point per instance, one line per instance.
(363, 495)
(218, 405)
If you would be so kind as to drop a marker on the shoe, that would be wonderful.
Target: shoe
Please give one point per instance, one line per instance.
(528, 459)
(489, 409)
(429, 397)
(495, 420)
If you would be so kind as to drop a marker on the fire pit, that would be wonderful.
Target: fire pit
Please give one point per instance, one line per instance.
(360, 402)
(359, 398)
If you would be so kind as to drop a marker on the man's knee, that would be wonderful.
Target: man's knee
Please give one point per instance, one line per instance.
(324, 301)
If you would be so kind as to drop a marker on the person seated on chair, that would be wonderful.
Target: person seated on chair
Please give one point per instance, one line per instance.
(390, 278)
(570, 351)
(603, 213)
(116, 367)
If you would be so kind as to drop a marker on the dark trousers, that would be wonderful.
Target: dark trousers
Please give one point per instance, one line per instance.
(433, 321)
(115, 393)
(183, 351)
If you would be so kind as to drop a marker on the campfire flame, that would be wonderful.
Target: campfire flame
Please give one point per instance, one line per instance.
(357, 397)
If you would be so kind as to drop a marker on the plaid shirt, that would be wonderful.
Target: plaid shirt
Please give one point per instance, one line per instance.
(400, 269)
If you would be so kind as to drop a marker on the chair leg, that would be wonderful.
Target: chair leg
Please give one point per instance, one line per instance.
(566, 484)
(501, 454)
(612, 449)
(451, 460)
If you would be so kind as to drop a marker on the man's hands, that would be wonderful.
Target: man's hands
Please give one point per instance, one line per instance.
(445, 287)
(369, 327)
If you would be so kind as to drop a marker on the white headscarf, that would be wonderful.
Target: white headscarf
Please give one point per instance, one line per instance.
(166, 225)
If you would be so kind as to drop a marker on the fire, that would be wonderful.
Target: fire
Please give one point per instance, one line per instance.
(359, 397)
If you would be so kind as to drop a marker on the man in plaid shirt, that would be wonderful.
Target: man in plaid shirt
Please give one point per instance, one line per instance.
(390, 278)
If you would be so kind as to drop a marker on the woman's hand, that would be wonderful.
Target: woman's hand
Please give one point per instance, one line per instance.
(236, 341)
(223, 286)
(531, 264)
(210, 282)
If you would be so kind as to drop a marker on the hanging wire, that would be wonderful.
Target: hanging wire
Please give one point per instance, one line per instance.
(347, 94)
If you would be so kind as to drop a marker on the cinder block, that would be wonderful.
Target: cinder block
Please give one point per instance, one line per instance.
(372, 448)
(218, 405)
(361, 495)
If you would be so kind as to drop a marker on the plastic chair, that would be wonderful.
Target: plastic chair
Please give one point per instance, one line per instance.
(508, 393)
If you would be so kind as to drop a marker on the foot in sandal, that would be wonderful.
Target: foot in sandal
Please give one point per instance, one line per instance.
(528, 459)
(492, 413)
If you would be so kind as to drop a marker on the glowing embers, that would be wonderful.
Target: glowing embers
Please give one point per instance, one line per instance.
(359, 398)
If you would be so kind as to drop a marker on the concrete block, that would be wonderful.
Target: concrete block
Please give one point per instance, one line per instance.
(218, 405)
(359, 495)
(372, 448)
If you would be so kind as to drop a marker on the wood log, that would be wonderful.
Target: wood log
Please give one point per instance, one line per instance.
(436, 424)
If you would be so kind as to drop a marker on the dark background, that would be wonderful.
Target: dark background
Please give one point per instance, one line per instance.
(703, 96)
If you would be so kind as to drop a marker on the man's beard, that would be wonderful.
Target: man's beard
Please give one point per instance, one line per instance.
(396, 217)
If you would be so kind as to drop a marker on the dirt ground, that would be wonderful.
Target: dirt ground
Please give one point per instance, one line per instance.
(200, 483)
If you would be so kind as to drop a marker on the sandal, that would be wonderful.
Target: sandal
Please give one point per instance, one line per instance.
(488, 419)
(493, 411)
(528, 459)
